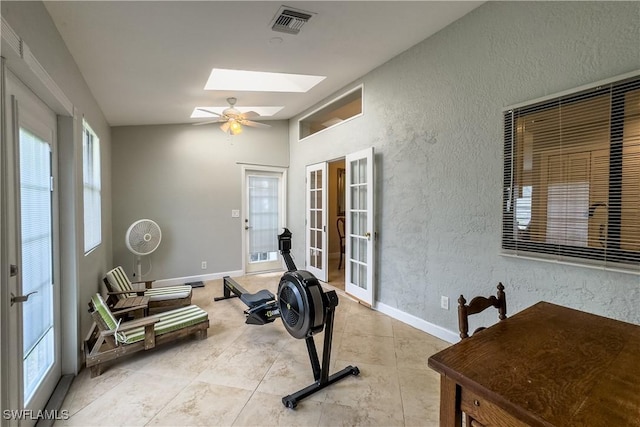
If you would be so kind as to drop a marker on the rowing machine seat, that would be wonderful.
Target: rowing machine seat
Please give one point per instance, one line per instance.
(259, 298)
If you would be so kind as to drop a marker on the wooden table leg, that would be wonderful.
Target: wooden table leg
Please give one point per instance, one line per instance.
(450, 413)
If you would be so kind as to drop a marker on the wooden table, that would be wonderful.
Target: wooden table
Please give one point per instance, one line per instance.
(141, 302)
(545, 366)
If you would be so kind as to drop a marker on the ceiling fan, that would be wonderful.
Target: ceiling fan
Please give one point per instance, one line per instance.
(232, 120)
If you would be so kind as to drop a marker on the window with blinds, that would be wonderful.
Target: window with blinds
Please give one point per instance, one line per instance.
(92, 188)
(572, 177)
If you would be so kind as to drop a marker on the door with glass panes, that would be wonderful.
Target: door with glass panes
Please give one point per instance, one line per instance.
(264, 215)
(32, 250)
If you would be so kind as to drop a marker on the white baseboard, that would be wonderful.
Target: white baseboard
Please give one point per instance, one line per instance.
(189, 279)
(416, 322)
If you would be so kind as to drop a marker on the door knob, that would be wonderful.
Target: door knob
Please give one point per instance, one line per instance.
(21, 298)
(246, 227)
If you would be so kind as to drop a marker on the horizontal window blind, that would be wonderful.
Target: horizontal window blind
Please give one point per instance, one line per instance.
(572, 177)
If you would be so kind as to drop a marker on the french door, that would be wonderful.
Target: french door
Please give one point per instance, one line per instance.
(264, 217)
(316, 221)
(33, 328)
(359, 224)
(360, 232)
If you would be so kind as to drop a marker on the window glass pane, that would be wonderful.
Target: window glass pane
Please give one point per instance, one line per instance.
(336, 112)
(91, 189)
(37, 250)
(264, 211)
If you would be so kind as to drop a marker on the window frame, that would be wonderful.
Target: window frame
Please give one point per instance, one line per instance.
(90, 141)
(612, 254)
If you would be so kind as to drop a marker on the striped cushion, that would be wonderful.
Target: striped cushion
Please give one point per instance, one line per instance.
(169, 321)
(104, 311)
(119, 281)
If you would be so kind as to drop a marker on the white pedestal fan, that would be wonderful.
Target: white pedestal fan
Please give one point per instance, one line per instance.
(142, 238)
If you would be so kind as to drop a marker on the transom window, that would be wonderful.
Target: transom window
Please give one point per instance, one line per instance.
(572, 176)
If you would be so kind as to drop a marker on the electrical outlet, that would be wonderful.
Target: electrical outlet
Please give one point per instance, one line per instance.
(444, 302)
(204, 265)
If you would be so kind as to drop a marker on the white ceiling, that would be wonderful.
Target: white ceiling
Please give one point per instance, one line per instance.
(147, 62)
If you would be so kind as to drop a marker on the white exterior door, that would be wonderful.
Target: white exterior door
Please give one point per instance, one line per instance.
(316, 221)
(264, 215)
(33, 329)
(360, 232)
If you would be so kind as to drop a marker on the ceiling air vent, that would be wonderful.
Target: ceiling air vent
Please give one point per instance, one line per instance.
(289, 20)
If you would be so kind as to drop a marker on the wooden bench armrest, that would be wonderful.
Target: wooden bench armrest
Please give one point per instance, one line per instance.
(147, 283)
(122, 311)
(126, 326)
(133, 291)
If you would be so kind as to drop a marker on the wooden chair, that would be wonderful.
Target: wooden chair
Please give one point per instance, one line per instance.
(119, 287)
(110, 339)
(477, 305)
(340, 225)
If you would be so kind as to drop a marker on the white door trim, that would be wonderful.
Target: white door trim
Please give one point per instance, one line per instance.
(246, 169)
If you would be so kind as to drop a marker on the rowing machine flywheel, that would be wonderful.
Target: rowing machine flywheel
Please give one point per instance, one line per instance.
(302, 304)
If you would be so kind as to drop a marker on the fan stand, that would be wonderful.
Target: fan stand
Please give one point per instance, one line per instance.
(321, 373)
(137, 274)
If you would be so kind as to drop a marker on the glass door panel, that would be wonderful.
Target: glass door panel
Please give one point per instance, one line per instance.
(263, 221)
(316, 256)
(37, 255)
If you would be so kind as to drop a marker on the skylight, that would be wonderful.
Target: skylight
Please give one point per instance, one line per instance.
(262, 111)
(259, 81)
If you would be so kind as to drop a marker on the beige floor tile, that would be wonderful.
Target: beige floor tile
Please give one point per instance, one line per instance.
(334, 414)
(376, 387)
(287, 376)
(85, 389)
(267, 410)
(203, 404)
(135, 401)
(368, 349)
(420, 391)
(240, 366)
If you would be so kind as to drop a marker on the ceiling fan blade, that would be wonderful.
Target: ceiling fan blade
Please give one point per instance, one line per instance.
(249, 115)
(210, 112)
(207, 122)
(225, 126)
(254, 124)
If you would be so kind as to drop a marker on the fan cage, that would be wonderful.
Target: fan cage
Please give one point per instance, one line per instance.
(143, 237)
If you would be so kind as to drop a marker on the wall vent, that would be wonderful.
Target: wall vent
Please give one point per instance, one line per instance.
(289, 20)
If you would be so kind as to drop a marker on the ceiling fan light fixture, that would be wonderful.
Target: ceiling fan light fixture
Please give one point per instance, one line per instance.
(234, 127)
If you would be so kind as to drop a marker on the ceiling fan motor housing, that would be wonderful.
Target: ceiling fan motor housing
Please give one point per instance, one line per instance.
(302, 303)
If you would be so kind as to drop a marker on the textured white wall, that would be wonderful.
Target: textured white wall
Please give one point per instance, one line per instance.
(186, 178)
(433, 115)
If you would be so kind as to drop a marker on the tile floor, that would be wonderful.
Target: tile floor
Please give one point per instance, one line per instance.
(239, 374)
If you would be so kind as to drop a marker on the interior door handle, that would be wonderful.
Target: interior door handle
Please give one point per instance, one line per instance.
(246, 227)
(21, 298)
